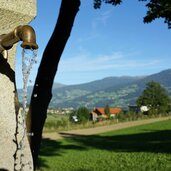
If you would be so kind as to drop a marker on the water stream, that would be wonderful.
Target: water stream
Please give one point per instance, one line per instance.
(29, 57)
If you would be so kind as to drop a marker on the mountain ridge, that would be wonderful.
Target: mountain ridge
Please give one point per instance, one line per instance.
(114, 91)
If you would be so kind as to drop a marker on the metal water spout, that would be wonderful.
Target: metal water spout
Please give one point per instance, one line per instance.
(24, 33)
(15, 16)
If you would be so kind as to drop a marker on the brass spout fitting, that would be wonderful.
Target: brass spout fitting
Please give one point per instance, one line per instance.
(23, 33)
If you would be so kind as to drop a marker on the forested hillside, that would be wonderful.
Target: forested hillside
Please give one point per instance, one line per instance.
(114, 91)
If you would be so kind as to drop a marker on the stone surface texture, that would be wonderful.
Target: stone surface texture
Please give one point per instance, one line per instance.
(12, 158)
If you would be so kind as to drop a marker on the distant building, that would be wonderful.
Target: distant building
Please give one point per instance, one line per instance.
(60, 111)
(99, 113)
(144, 109)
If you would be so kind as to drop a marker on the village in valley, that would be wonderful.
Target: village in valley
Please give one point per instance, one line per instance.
(154, 101)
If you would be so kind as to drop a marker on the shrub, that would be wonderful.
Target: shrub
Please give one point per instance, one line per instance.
(81, 114)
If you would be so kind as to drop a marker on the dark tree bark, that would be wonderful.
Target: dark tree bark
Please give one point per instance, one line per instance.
(42, 91)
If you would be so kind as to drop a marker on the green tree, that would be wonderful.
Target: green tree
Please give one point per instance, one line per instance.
(155, 97)
(155, 9)
(158, 9)
(83, 114)
(107, 110)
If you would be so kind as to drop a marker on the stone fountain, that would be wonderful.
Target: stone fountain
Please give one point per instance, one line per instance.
(13, 157)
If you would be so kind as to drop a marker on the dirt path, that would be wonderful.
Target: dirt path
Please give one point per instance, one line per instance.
(101, 129)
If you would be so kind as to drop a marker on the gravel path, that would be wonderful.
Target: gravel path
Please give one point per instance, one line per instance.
(101, 129)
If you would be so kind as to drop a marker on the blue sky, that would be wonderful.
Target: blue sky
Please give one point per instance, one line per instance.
(112, 41)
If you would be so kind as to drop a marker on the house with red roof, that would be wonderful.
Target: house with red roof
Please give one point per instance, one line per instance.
(99, 113)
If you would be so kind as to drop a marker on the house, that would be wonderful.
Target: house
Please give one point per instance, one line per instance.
(99, 113)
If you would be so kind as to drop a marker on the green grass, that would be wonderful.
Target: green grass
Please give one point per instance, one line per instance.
(140, 148)
(56, 122)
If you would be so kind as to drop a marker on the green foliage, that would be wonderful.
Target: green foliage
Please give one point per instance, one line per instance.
(83, 114)
(56, 122)
(155, 97)
(97, 3)
(107, 110)
(158, 9)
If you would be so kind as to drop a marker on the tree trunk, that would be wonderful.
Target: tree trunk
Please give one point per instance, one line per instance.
(42, 91)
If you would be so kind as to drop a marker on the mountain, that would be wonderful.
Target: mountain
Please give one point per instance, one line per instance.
(114, 91)
(30, 89)
(58, 85)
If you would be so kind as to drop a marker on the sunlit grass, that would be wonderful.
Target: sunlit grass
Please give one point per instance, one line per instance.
(140, 148)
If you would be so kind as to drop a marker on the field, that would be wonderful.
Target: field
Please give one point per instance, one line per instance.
(140, 148)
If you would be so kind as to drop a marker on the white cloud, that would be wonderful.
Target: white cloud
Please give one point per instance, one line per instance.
(117, 60)
(91, 36)
(102, 19)
(105, 16)
(88, 66)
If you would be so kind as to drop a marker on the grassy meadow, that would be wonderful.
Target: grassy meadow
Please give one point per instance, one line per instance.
(56, 122)
(140, 148)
